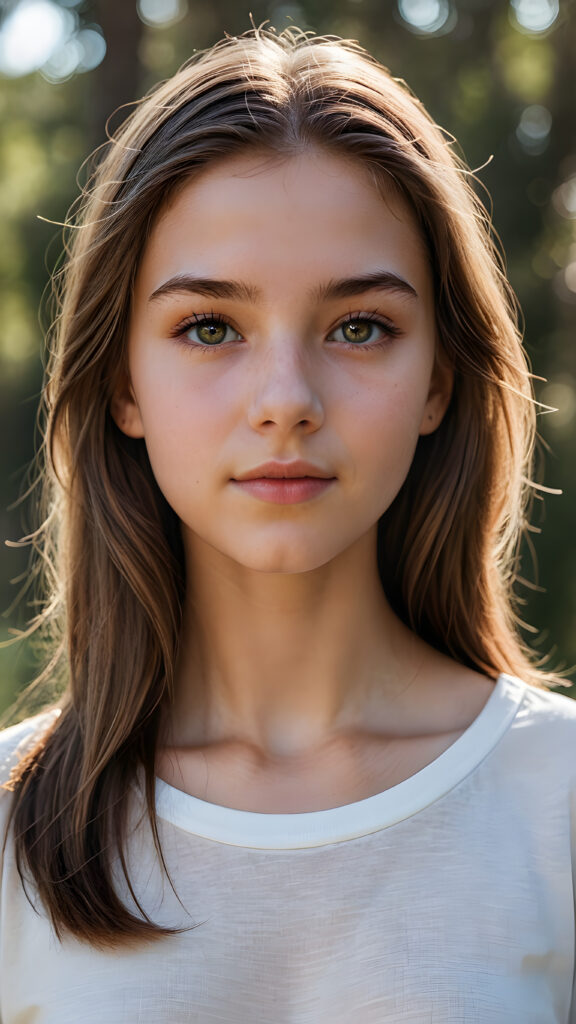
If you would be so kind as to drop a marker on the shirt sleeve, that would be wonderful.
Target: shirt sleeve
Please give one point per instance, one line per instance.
(14, 741)
(572, 1016)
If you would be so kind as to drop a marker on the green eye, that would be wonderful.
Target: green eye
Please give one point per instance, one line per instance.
(210, 331)
(357, 330)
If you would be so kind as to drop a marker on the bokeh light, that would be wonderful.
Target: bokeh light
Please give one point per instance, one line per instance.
(93, 48)
(425, 15)
(158, 13)
(533, 129)
(564, 198)
(31, 33)
(535, 15)
(43, 36)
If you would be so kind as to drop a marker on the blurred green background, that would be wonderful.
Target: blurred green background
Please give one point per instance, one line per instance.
(500, 76)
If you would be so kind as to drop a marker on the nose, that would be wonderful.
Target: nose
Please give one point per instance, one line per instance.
(284, 391)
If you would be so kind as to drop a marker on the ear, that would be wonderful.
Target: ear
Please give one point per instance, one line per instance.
(439, 395)
(124, 408)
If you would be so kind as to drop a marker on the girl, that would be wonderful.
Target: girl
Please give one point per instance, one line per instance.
(303, 769)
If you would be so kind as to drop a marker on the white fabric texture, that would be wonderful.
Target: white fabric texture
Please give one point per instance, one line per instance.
(447, 899)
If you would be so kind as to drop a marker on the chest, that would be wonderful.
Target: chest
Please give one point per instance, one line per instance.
(416, 923)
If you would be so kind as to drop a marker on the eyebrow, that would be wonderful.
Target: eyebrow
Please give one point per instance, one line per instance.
(378, 280)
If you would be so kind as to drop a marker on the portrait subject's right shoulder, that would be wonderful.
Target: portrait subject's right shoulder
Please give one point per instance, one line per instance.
(16, 739)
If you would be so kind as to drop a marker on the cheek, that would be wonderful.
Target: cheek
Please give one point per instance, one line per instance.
(185, 426)
(387, 431)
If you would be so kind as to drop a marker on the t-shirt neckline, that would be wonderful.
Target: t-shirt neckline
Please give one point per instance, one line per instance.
(350, 821)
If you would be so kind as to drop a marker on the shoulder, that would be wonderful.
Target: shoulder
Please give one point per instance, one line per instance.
(17, 739)
(543, 727)
(544, 708)
(14, 743)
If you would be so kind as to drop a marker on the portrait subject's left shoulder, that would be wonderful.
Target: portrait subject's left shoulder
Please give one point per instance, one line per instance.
(548, 708)
(543, 730)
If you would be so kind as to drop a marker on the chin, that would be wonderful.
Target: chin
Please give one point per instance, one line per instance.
(284, 559)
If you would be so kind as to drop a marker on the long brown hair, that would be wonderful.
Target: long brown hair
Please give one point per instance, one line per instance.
(447, 547)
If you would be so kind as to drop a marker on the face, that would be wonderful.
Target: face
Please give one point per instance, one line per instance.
(254, 336)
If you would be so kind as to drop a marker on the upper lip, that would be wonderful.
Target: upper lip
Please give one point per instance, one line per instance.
(284, 469)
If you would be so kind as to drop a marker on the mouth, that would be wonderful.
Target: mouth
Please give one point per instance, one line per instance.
(285, 490)
(283, 478)
(275, 469)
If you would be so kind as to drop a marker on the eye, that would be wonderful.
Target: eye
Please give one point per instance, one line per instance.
(365, 330)
(206, 330)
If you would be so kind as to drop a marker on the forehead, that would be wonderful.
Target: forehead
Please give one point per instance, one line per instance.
(313, 213)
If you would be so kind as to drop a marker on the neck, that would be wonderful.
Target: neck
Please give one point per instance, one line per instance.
(285, 662)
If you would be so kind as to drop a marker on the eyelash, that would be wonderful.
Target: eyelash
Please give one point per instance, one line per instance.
(200, 318)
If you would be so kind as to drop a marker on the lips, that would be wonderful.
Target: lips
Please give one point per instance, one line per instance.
(285, 490)
(275, 470)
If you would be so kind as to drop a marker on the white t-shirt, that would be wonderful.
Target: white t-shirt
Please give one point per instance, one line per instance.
(447, 899)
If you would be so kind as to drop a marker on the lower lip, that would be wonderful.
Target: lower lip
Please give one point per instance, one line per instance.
(285, 491)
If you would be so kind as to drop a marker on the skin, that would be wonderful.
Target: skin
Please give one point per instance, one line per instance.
(292, 666)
